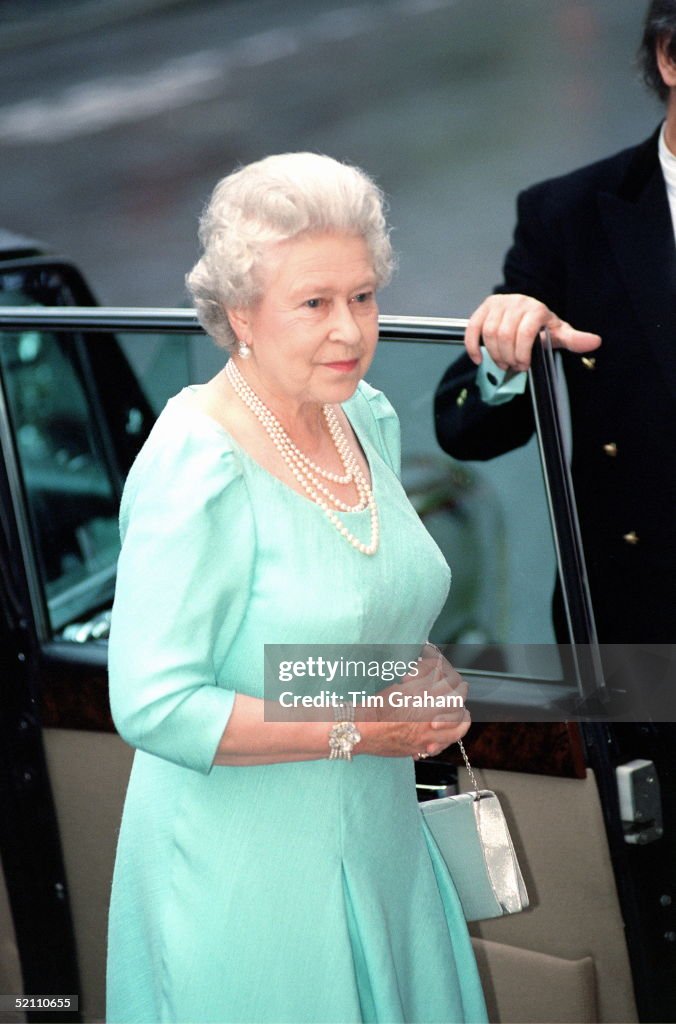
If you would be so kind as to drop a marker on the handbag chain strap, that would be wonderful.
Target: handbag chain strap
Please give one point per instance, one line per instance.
(460, 743)
(469, 770)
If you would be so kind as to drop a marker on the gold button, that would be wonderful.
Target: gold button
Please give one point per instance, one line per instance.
(462, 397)
(631, 538)
(589, 362)
(610, 449)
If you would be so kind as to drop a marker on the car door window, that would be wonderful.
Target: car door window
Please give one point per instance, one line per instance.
(70, 494)
(491, 520)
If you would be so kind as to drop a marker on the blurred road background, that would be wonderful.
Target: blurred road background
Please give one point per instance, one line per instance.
(118, 116)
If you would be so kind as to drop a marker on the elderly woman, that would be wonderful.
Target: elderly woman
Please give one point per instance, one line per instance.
(277, 871)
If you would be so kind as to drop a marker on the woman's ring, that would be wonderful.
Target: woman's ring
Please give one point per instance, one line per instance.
(421, 757)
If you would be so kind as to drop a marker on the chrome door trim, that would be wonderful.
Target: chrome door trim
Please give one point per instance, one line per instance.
(429, 329)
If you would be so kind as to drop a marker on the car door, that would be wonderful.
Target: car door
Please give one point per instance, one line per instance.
(73, 417)
(77, 402)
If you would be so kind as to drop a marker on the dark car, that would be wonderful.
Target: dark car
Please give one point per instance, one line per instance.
(80, 387)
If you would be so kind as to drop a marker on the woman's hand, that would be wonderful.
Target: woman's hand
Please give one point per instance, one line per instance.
(401, 728)
(509, 325)
(407, 726)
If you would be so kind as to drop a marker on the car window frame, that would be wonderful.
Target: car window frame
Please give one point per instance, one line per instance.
(393, 329)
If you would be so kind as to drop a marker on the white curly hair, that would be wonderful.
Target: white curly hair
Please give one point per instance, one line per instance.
(275, 200)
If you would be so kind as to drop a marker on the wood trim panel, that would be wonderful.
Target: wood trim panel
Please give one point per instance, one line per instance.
(542, 748)
(74, 695)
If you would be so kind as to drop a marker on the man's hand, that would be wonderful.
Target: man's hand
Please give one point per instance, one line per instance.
(509, 325)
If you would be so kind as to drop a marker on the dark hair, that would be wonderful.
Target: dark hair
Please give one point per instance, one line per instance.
(660, 22)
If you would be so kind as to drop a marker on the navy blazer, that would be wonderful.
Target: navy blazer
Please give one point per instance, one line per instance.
(597, 246)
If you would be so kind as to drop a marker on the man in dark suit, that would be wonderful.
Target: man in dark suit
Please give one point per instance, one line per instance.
(595, 248)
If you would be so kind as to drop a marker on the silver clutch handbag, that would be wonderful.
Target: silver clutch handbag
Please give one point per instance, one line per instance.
(471, 833)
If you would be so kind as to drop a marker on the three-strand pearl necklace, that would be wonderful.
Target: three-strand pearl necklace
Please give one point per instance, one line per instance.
(309, 475)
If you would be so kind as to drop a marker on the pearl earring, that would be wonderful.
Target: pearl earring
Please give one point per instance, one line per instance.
(243, 351)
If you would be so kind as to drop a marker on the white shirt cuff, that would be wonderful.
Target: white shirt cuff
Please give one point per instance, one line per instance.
(497, 386)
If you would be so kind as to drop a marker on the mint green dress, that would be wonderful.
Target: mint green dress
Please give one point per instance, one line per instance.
(305, 892)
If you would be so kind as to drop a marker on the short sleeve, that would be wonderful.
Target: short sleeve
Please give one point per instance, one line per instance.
(374, 413)
(183, 583)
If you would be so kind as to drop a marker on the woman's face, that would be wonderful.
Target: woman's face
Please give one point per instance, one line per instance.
(313, 333)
